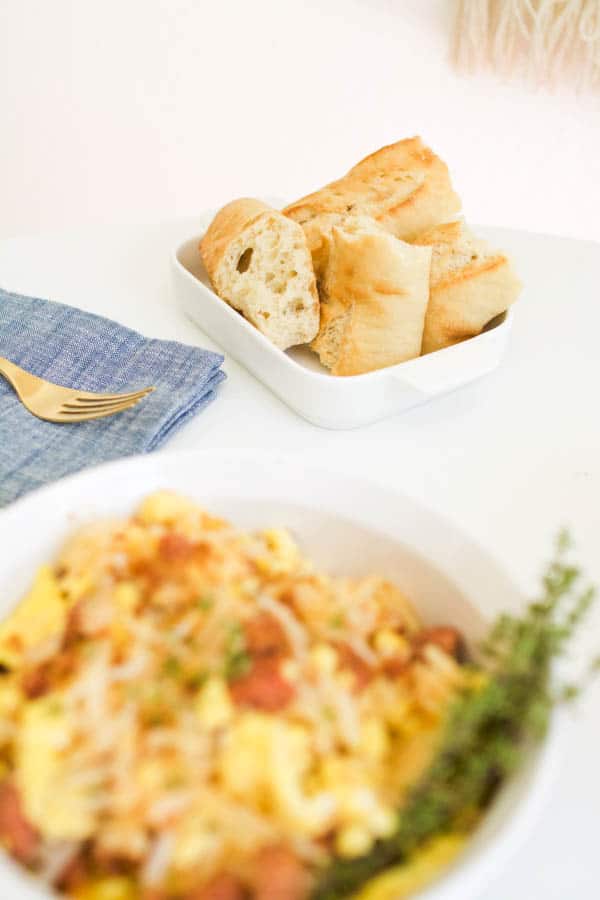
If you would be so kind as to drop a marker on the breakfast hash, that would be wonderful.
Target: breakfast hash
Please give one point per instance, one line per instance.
(189, 711)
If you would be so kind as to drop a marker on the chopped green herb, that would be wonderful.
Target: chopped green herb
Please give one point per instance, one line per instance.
(196, 680)
(206, 602)
(237, 665)
(486, 728)
(171, 667)
(237, 659)
(337, 621)
(155, 719)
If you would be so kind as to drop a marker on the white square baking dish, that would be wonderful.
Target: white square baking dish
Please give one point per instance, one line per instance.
(296, 375)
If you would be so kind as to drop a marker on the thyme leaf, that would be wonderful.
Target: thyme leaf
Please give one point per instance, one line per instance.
(487, 727)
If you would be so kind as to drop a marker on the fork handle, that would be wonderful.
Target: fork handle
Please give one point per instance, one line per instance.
(10, 371)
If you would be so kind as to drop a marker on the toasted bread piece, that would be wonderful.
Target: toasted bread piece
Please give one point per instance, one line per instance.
(258, 261)
(374, 297)
(405, 187)
(410, 164)
(470, 285)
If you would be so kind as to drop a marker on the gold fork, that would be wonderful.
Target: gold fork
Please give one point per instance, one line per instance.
(61, 404)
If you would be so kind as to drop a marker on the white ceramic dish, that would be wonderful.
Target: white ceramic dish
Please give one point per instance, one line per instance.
(346, 525)
(297, 377)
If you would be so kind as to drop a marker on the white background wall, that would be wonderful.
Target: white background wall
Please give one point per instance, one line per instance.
(131, 110)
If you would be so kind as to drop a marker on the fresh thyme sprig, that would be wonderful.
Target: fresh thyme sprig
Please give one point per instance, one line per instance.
(487, 727)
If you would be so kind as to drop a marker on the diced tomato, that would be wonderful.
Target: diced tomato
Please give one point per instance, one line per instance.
(362, 671)
(265, 636)
(279, 875)
(174, 547)
(263, 687)
(223, 887)
(16, 833)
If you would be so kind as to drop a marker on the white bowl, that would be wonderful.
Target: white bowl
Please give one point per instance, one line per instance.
(297, 377)
(347, 526)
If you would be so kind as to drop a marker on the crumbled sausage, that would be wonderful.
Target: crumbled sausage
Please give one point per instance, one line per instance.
(19, 836)
(279, 875)
(36, 682)
(449, 639)
(223, 887)
(174, 547)
(74, 875)
(263, 687)
(73, 628)
(395, 666)
(265, 636)
(362, 671)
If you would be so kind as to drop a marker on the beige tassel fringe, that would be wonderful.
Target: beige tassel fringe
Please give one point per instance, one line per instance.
(544, 41)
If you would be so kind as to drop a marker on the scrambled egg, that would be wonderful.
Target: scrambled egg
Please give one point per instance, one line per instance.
(51, 802)
(10, 699)
(266, 758)
(162, 508)
(195, 842)
(282, 556)
(39, 616)
(213, 704)
(115, 888)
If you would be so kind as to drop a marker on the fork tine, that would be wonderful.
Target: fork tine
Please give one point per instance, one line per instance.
(101, 398)
(81, 415)
(71, 410)
(76, 403)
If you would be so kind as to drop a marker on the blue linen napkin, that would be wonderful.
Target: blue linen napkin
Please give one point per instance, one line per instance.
(78, 349)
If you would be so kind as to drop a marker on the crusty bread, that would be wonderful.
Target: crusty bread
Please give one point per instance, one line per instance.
(470, 285)
(258, 261)
(374, 297)
(410, 164)
(405, 187)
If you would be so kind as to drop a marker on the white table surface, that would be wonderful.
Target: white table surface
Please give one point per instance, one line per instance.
(510, 458)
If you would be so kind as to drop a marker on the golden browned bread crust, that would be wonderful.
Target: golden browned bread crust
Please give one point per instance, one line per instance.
(404, 186)
(432, 198)
(470, 285)
(228, 223)
(374, 297)
(258, 261)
